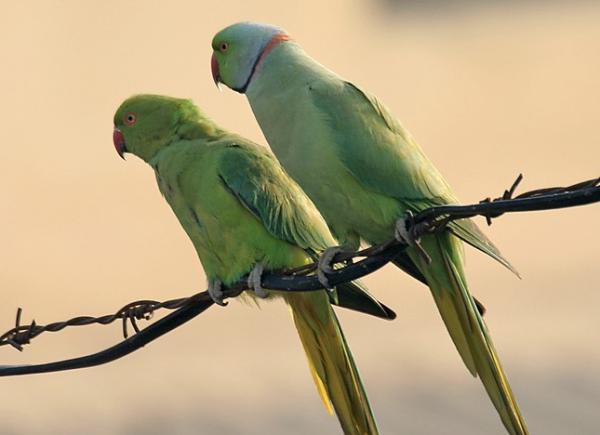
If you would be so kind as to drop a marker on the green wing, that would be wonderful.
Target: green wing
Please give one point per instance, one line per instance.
(377, 150)
(258, 181)
(374, 146)
(253, 176)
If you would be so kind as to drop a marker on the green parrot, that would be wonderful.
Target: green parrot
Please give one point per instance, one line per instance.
(244, 214)
(365, 174)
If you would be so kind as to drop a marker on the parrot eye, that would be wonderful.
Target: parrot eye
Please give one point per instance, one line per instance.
(224, 46)
(130, 119)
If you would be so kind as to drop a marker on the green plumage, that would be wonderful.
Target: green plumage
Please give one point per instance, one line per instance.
(239, 209)
(363, 171)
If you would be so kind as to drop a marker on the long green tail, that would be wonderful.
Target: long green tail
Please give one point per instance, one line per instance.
(448, 286)
(331, 363)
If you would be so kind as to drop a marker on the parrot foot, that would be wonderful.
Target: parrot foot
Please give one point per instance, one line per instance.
(404, 233)
(324, 265)
(254, 281)
(215, 292)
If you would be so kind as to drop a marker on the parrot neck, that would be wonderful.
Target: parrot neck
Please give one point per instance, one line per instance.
(285, 66)
(278, 91)
(286, 69)
(200, 128)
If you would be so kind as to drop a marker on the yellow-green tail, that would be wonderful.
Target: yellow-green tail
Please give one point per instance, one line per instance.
(467, 328)
(331, 363)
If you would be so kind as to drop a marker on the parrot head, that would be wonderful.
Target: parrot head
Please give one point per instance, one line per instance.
(144, 124)
(237, 51)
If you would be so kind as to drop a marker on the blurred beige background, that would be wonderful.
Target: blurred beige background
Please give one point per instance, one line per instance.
(489, 92)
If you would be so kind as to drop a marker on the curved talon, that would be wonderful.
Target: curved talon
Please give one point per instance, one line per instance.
(215, 292)
(324, 265)
(254, 281)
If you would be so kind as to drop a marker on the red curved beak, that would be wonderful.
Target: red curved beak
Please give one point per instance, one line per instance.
(119, 141)
(214, 67)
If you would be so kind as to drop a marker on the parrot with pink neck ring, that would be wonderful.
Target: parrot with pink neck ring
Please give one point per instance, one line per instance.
(366, 175)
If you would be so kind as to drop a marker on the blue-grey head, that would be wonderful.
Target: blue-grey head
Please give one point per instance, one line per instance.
(239, 48)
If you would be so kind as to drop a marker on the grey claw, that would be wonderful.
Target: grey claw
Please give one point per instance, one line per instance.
(215, 292)
(324, 265)
(402, 234)
(407, 236)
(254, 281)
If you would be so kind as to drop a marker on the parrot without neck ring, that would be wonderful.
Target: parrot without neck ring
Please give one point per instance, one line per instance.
(244, 214)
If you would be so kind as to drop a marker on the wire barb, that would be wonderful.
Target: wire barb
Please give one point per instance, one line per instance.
(298, 279)
(508, 194)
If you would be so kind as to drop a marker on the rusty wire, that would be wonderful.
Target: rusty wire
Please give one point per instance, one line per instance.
(298, 279)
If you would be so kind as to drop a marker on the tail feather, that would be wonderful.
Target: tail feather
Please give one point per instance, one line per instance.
(406, 264)
(355, 296)
(466, 326)
(331, 364)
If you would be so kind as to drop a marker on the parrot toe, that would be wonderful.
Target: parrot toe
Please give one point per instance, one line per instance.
(324, 265)
(404, 234)
(401, 232)
(254, 281)
(215, 292)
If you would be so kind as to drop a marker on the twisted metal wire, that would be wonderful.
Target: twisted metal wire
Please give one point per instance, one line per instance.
(130, 313)
(297, 279)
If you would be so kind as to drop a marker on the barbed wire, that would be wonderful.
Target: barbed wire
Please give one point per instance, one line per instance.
(297, 279)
